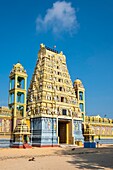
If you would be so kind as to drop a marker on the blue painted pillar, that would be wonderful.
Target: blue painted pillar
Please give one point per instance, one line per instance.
(77, 130)
(44, 131)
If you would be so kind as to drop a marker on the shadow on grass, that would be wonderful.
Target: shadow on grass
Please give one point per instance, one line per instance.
(97, 158)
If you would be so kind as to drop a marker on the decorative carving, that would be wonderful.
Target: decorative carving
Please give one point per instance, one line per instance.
(51, 75)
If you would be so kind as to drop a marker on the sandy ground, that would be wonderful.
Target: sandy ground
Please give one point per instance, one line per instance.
(59, 158)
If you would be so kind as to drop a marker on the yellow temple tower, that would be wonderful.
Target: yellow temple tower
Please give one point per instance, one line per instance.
(80, 94)
(52, 103)
(17, 102)
(17, 92)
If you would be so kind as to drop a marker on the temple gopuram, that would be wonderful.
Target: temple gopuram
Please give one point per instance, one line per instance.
(52, 110)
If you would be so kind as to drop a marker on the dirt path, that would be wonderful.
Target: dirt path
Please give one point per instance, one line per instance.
(56, 158)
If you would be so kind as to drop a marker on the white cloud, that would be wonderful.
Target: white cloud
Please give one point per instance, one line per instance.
(60, 18)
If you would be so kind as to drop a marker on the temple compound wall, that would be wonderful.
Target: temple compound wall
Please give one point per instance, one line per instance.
(5, 126)
(102, 129)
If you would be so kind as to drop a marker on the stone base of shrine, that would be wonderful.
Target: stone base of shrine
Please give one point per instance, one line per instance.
(44, 146)
(21, 145)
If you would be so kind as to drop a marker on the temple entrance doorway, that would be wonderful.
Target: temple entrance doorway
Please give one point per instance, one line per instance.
(25, 138)
(63, 131)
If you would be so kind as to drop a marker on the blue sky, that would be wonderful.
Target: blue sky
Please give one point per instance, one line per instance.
(82, 29)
